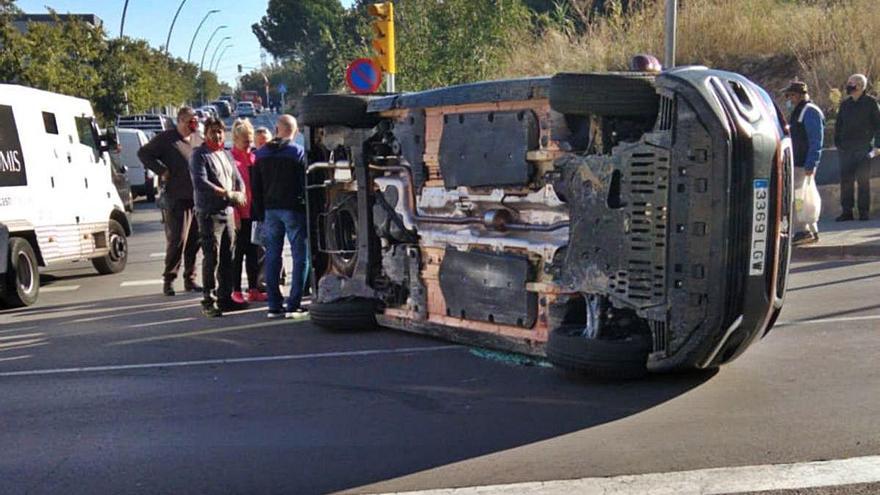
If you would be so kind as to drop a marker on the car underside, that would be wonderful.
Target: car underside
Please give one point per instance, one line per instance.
(616, 223)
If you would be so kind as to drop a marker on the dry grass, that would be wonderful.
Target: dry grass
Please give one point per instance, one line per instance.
(820, 41)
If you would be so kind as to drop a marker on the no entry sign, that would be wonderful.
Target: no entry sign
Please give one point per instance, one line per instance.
(363, 76)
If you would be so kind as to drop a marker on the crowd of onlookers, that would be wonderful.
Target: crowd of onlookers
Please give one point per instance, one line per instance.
(237, 206)
(857, 137)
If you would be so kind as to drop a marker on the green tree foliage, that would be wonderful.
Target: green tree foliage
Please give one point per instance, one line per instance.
(289, 73)
(75, 58)
(303, 31)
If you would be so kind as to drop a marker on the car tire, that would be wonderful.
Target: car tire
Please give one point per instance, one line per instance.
(337, 109)
(340, 233)
(352, 314)
(623, 358)
(22, 275)
(117, 258)
(609, 94)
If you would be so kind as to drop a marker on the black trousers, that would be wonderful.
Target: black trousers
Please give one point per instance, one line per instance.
(252, 256)
(181, 242)
(217, 232)
(855, 167)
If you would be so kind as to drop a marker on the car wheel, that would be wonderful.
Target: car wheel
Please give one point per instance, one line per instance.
(337, 109)
(341, 235)
(610, 94)
(620, 358)
(355, 314)
(22, 275)
(116, 259)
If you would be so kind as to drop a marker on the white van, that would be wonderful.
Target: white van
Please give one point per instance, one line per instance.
(57, 199)
(143, 182)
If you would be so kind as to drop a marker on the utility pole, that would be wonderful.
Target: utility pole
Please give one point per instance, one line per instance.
(193, 42)
(671, 27)
(168, 39)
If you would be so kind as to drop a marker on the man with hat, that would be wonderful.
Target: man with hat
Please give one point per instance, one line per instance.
(807, 124)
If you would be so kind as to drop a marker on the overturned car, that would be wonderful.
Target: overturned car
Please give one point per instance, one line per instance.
(616, 223)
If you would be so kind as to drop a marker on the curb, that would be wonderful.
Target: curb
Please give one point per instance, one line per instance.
(839, 252)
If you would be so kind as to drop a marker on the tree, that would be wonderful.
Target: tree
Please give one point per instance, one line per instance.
(304, 31)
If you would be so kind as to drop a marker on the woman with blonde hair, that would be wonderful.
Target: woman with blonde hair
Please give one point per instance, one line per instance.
(247, 253)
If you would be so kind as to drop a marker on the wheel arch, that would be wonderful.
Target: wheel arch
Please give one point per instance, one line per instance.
(122, 218)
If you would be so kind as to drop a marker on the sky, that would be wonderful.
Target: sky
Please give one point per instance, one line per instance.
(150, 20)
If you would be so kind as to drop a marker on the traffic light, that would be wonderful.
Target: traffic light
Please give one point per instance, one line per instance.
(383, 35)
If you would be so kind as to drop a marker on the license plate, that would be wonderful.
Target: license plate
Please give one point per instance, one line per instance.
(760, 211)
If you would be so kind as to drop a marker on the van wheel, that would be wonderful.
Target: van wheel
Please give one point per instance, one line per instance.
(620, 94)
(620, 358)
(337, 109)
(355, 313)
(115, 260)
(341, 235)
(23, 275)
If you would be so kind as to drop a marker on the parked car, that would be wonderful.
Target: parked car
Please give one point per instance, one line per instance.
(143, 181)
(245, 109)
(224, 110)
(150, 124)
(118, 172)
(616, 223)
(209, 110)
(57, 199)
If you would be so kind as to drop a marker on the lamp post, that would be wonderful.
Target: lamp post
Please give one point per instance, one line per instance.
(122, 24)
(205, 52)
(168, 39)
(191, 43)
(671, 22)
(214, 56)
(217, 65)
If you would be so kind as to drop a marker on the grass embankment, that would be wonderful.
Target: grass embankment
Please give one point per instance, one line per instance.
(820, 41)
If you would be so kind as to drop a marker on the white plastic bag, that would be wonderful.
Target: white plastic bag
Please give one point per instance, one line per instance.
(807, 202)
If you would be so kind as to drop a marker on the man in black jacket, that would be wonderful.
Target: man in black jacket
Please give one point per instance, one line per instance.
(278, 187)
(167, 155)
(217, 188)
(855, 134)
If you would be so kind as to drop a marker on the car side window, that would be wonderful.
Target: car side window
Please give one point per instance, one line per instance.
(49, 123)
(86, 132)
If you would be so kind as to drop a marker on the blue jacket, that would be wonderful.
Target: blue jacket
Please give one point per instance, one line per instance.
(807, 124)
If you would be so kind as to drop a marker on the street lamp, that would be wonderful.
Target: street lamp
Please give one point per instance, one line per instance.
(205, 52)
(217, 65)
(168, 39)
(219, 45)
(122, 24)
(191, 43)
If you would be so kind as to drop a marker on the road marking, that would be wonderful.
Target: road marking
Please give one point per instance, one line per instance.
(209, 331)
(157, 323)
(22, 329)
(699, 482)
(140, 283)
(157, 255)
(256, 359)
(827, 320)
(59, 288)
(22, 343)
(15, 358)
(22, 336)
(169, 306)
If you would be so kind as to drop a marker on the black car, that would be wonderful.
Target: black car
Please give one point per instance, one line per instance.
(616, 223)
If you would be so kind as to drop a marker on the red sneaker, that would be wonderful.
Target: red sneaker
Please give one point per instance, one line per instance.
(237, 297)
(254, 295)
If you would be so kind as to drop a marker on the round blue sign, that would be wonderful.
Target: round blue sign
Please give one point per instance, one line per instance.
(363, 76)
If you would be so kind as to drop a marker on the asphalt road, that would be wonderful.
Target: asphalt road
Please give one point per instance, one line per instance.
(110, 387)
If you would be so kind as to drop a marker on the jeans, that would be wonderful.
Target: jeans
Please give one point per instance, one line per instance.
(855, 166)
(217, 233)
(277, 224)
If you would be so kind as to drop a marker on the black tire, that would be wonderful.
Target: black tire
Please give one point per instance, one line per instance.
(22, 275)
(613, 94)
(623, 358)
(117, 258)
(337, 109)
(340, 232)
(355, 314)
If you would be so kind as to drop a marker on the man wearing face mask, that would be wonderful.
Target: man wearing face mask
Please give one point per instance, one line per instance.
(807, 124)
(167, 155)
(218, 187)
(856, 133)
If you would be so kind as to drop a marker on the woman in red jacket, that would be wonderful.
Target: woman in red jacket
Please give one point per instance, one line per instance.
(247, 253)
